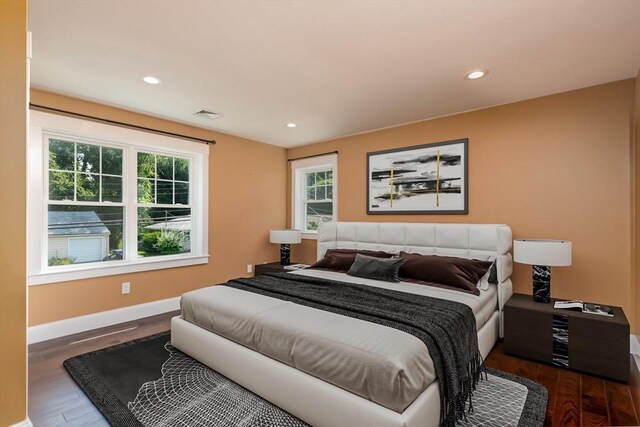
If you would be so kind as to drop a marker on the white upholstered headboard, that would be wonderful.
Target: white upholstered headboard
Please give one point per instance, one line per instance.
(482, 241)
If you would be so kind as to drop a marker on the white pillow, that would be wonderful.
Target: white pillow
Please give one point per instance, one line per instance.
(483, 283)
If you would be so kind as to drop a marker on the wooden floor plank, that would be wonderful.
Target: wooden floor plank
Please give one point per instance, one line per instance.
(548, 376)
(594, 402)
(621, 409)
(567, 408)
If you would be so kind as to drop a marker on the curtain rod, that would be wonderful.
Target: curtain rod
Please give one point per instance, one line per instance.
(121, 124)
(313, 155)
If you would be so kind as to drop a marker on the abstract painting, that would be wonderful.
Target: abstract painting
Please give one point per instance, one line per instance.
(422, 179)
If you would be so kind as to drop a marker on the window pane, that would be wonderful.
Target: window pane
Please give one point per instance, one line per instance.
(87, 187)
(146, 190)
(165, 167)
(112, 161)
(317, 213)
(321, 193)
(311, 193)
(311, 180)
(320, 177)
(146, 165)
(163, 231)
(111, 189)
(182, 169)
(61, 185)
(330, 192)
(182, 193)
(165, 192)
(329, 177)
(61, 155)
(88, 158)
(81, 234)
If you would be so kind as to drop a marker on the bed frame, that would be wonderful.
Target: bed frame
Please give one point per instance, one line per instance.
(320, 403)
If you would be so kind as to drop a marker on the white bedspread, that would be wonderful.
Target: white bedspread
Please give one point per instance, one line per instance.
(379, 363)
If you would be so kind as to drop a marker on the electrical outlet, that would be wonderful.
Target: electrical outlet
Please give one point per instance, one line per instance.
(126, 287)
(249, 268)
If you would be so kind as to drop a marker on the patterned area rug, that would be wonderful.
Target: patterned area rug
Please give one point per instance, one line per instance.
(147, 382)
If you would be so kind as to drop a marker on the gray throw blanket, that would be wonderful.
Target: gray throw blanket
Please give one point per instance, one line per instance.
(447, 328)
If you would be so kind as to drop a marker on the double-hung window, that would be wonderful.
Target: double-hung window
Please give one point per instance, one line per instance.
(106, 200)
(314, 193)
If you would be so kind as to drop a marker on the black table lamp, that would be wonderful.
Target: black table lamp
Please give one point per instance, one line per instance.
(285, 238)
(542, 255)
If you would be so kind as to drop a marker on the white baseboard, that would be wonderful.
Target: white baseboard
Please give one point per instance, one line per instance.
(25, 423)
(635, 345)
(61, 328)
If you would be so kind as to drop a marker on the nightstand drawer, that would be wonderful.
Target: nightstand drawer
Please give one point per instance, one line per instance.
(525, 341)
(529, 317)
(272, 267)
(596, 347)
(594, 327)
(618, 370)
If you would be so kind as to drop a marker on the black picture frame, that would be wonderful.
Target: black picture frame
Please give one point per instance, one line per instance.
(421, 188)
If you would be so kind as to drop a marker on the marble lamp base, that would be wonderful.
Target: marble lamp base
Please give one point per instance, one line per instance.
(285, 254)
(542, 284)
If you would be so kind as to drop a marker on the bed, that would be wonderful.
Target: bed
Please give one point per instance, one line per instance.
(287, 379)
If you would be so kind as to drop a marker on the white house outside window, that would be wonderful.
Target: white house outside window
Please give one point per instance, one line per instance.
(107, 200)
(314, 193)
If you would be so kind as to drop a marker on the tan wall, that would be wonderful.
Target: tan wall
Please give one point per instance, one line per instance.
(635, 195)
(13, 137)
(241, 212)
(553, 167)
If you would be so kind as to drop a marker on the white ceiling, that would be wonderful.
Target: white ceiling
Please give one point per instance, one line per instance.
(333, 67)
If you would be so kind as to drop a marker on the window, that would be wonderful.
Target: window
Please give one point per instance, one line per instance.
(107, 200)
(163, 209)
(314, 193)
(85, 210)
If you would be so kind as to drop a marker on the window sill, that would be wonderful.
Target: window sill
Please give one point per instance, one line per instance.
(114, 268)
(310, 236)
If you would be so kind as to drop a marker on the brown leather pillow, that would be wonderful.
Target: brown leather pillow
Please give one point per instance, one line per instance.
(342, 259)
(458, 273)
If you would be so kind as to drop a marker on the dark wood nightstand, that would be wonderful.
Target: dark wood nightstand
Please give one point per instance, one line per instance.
(571, 339)
(271, 267)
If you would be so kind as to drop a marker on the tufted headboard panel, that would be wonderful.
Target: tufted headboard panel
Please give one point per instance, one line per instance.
(481, 241)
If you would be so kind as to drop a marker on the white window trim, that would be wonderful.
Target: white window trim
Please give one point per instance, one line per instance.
(41, 124)
(298, 167)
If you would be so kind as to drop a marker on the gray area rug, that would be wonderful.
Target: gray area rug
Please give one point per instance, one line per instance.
(129, 386)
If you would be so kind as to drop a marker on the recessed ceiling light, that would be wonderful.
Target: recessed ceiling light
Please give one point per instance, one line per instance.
(151, 80)
(477, 74)
(291, 125)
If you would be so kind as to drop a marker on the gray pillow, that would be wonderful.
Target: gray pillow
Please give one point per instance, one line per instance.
(385, 269)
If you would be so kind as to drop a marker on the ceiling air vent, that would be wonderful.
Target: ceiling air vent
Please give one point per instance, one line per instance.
(208, 114)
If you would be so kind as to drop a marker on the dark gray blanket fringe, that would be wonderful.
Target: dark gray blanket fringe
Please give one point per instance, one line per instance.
(447, 328)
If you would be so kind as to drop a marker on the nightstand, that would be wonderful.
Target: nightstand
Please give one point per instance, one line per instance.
(569, 339)
(271, 267)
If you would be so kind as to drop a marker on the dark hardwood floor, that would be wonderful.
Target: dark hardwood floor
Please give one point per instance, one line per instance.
(577, 399)
(574, 399)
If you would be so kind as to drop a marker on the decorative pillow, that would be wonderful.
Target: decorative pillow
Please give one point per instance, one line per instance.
(342, 259)
(458, 273)
(369, 267)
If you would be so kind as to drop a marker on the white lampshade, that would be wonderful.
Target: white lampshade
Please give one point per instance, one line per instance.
(285, 236)
(552, 253)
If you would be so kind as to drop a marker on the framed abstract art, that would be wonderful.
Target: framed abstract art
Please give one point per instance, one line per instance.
(422, 179)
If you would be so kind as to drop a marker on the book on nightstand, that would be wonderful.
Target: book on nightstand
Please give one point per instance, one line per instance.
(577, 305)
